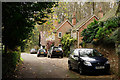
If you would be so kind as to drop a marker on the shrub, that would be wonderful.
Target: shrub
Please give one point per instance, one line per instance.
(101, 32)
(67, 41)
(9, 62)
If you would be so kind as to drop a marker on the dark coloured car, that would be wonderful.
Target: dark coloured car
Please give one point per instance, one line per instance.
(88, 60)
(33, 51)
(42, 52)
(55, 51)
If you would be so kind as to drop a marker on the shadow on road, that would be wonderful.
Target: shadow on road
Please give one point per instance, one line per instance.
(92, 73)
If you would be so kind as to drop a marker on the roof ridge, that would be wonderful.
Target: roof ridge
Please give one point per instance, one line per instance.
(84, 20)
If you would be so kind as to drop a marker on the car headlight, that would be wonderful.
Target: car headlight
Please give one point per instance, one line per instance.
(87, 63)
(107, 62)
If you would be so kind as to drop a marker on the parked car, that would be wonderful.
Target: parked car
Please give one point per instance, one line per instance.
(42, 52)
(55, 51)
(88, 60)
(33, 51)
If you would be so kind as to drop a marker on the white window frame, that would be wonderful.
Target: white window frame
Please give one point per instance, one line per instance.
(59, 36)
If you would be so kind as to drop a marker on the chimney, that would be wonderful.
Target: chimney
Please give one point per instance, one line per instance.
(100, 13)
(73, 19)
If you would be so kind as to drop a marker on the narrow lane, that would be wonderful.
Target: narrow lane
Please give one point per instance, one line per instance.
(43, 67)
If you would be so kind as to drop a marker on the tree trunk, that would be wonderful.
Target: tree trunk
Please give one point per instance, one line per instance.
(118, 52)
(5, 49)
(93, 8)
(39, 40)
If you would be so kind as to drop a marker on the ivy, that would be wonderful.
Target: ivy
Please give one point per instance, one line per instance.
(89, 33)
(101, 31)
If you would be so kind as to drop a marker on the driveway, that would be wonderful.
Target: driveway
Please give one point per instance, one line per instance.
(43, 67)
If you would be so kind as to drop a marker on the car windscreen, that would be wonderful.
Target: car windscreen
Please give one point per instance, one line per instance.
(89, 53)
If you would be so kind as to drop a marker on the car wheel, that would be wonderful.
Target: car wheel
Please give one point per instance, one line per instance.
(69, 66)
(107, 72)
(45, 55)
(61, 56)
(37, 55)
(80, 70)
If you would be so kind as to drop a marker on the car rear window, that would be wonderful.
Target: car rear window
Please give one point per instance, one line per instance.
(57, 49)
(32, 49)
(42, 50)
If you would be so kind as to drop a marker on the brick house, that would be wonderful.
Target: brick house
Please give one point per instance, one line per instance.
(61, 29)
(80, 26)
(43, 38)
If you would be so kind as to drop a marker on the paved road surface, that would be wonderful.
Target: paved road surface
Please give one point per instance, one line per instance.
(43, 67)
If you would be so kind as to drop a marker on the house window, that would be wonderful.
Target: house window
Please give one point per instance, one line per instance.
(60, 34)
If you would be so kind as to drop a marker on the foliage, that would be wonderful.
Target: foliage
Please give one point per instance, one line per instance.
(48, 25)
(9, 62)
(101, 32)
(32, 41)
(109, 26)
(82, 9)
(66, 42)
(19, 18)
(88, 33)
(61, 11)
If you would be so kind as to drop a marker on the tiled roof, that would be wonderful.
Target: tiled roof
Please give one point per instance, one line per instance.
(59, 25)
(110, 14)
(83, 21)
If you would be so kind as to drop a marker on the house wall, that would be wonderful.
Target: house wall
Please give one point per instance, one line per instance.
(50, 37)
(43, 38)
(85, 26)
(64, 28)
(74, 35)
